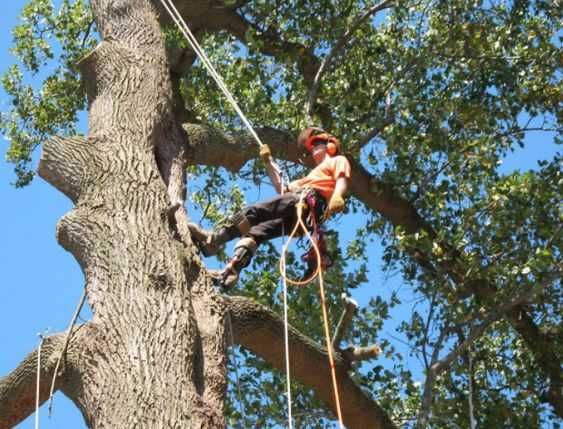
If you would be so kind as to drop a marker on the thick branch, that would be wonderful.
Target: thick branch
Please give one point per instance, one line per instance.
(63, 164)
(260, 330)
(441, 365)
(18, 389)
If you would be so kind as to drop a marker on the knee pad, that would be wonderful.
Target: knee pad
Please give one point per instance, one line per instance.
(244, 251)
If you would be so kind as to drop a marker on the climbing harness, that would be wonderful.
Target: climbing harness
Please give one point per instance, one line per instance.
(316, 207)
(318, 270)
(314, 234)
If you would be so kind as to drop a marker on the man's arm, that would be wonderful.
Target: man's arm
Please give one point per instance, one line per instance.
(340, 187)
(274, 175)
(336, 203)
(271, 168)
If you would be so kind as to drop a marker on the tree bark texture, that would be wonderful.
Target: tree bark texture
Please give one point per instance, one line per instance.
(158, 356)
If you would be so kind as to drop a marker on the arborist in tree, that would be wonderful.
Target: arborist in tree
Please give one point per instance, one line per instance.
(322, 190)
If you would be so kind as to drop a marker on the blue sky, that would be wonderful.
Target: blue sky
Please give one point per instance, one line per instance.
(41, 283)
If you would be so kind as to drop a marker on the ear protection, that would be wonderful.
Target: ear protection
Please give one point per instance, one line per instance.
(331, 142)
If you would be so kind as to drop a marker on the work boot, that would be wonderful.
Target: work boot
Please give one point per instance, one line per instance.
(209, 243)
(244, 251)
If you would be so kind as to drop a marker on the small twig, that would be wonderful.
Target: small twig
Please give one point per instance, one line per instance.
(87, 33)
(343, 326)
(475, 333)
(388, 120)
(472, 421)
(424, 414)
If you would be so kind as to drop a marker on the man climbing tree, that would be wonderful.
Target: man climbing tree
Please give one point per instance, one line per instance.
(322, 191)
(440, 106)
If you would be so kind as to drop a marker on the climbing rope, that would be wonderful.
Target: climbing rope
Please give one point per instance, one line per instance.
(192, 41)
(65, 346)
(286, 336)
(300, 206)
(38, 379)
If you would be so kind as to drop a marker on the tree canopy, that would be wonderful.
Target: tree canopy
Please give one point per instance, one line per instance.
(428, 98)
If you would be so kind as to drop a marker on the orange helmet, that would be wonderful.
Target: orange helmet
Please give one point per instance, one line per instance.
(313, 135)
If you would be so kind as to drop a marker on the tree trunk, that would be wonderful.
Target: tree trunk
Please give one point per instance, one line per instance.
(156, 356)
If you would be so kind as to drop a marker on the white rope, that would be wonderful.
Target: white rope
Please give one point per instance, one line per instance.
(177, 18)
(37, 381)
(286, 335)
(179, 21)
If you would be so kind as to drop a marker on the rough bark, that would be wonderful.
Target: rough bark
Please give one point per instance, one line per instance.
(159, 355)
(18, 389)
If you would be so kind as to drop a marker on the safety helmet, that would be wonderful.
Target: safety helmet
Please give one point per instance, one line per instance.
(313, 135)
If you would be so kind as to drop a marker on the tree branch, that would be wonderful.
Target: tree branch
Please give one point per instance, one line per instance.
(337, 48)
(425, 411)
(439, 366)
(343, 325)
(18, 389)
(63, 164)
(260, 330)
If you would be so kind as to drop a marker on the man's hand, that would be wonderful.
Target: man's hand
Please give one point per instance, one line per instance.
(265, 153)
(336, 204)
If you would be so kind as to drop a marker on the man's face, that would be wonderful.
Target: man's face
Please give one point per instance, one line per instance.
(319, 153)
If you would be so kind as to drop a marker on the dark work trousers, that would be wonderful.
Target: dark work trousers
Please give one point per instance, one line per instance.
(272, 218)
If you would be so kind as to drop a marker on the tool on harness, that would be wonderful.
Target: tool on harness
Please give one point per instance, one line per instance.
(316, 257)
(317, 207)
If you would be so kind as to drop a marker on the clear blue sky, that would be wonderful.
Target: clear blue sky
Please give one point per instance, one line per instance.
(40, 283)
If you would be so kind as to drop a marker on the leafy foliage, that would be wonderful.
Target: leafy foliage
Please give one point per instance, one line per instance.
(40, 113)
(469, 83)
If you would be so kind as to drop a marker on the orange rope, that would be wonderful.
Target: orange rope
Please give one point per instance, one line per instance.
(318, 272)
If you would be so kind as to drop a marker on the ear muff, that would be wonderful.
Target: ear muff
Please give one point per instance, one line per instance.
(309, 136)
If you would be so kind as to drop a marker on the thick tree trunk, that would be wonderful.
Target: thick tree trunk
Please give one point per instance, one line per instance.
(156, 356)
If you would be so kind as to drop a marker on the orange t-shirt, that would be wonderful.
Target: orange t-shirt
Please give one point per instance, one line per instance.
(323, 177)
